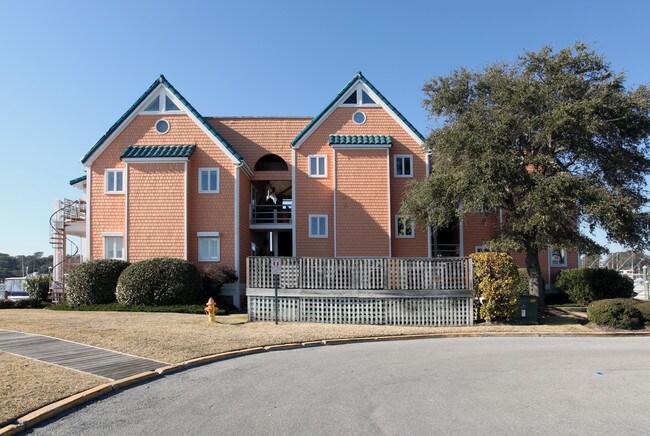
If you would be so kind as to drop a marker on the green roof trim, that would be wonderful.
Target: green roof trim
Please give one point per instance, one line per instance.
(158, 151)
(360, 139)
(77, 180)
(351, 83)
(170, 87)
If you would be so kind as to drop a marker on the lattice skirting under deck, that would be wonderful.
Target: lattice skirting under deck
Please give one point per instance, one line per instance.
(438, 311)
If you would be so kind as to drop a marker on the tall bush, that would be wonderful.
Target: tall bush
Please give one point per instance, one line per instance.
(213, 278)
(495, 284)
(620, 313)
(38, 287)
(94, 282)
(586, 285)
(159, 281)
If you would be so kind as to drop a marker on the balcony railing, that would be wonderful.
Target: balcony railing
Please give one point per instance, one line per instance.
(440, 274)
(271, 214)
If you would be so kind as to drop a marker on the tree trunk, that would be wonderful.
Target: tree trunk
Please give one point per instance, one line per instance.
(535, 278)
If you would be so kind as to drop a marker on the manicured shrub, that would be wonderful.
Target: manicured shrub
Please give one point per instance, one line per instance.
(586, 285)
(159, 282)
(522, 282)
(7, 304)
(38, 287)
(94, 282)
(21, 304)
(495, 284)
(620, 313)
(213, 278)
(116, 307)
(644, 308)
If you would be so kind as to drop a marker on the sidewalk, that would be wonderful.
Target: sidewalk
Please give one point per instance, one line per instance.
(93, 360)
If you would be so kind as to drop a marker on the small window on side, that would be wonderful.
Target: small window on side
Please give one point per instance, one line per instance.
(404, 227)
(558, 258)
(318, 226)
(209, 249)
(404, 165)
(113, 247)
(114, 183)
(209, 180)
(317, 166)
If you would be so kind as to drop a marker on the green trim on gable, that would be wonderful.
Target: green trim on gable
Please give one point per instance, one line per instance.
(77, 180)
(161, 80)
(351, 83)
(157, 151)
(360, 139)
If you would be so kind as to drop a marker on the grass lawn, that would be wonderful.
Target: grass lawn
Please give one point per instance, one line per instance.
(173, 337)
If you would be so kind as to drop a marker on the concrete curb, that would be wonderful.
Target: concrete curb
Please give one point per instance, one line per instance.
(61, 406)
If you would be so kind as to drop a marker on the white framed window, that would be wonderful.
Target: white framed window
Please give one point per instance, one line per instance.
(558, 257)
(114, 181)
(113, 246)
(209, 180)
(404, 227)
(317, 165)
(161, 103)
(318, 226)
(359, 97)
(482, 249)
(403, 165)
(209, 246)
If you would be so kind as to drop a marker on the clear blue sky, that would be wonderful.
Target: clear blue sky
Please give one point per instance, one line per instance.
(68, 70)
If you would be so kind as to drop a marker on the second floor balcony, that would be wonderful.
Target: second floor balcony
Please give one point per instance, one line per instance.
(271, 216)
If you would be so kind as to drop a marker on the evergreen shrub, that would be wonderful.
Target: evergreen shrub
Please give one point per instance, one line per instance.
(159, 282)
(94, 282)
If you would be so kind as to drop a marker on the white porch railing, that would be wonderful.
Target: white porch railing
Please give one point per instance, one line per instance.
(440, 274)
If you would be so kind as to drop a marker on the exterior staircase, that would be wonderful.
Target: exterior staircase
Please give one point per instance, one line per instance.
(66, 251)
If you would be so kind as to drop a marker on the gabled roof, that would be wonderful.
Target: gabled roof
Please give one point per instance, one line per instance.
(158, 151)
(358, 77)
(77, 180)
(360, 139)
(162, 81)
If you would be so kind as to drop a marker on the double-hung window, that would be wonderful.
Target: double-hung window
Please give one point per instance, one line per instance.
(317, 166)
(558, 258)
(404, 227)
(114, 181)
(404, 165)
(318, 226)
(209, 180)
(209, 246)
(113, 246)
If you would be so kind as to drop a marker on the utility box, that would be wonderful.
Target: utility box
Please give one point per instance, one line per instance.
(527, 308)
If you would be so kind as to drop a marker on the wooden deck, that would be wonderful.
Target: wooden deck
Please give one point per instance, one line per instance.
(104, 363)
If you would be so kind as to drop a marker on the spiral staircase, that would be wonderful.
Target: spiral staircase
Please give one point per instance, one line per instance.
(69, 219)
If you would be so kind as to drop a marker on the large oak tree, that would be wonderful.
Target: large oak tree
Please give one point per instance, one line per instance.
(554, 139)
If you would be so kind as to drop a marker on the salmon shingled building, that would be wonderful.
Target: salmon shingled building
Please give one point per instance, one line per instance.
(166, 181)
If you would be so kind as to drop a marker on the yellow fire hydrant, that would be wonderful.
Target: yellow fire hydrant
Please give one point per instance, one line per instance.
(211, 309)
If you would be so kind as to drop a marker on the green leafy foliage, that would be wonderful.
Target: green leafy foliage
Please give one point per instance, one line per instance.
(213, 278)
(495, 283)
(554, 140)
(644, 308)
(38, 287)
(94, 282)
(116, 307)
(25, 303)
(619, 313)
(586, 285)
(159, 282)
(16, 266)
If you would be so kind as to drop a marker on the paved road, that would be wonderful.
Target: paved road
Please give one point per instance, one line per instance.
(469, 386)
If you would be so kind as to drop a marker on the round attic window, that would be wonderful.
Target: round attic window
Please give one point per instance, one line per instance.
(359, 117)
(162, 126)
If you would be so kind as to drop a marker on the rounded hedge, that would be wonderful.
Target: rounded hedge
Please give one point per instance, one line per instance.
(159, 282)
(94, 282)
(620, 313)
(644, 308)
(38, 287)
(586, 285)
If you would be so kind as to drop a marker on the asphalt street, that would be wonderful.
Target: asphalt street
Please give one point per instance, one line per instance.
(465, 386)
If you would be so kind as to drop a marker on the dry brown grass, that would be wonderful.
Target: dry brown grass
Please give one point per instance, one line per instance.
(26, 385)
(177, 337)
